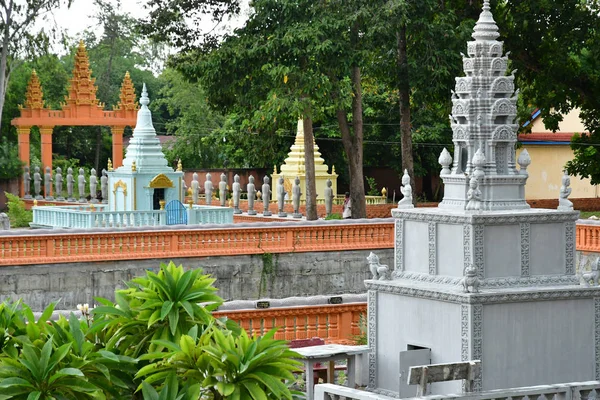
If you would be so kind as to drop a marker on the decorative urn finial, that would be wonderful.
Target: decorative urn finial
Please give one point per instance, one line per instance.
(445, 161)
(179, 166)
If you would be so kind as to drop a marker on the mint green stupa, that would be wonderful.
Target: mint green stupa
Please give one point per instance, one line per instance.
(145, 179)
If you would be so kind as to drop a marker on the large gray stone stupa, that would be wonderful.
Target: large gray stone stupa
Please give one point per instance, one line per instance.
(483, 276)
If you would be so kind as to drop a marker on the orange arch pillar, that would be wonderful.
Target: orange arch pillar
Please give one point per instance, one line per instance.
(23, 134)
(46, 139)
(117, 145)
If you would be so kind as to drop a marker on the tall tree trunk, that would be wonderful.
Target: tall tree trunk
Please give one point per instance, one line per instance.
(404, 92)
(357, 193)
(4, 56)
(309, 164)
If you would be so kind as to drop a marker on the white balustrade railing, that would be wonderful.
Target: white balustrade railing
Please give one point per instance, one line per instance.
(83, 216)
(568, 391)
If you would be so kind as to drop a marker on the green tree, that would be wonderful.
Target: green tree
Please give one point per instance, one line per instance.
(19, 38)
(555, 46)
(191, 121)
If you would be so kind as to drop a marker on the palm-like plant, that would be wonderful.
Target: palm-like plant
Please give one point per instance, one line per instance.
(159, 306)
(228, 365)
(38, 374)
(110, 372)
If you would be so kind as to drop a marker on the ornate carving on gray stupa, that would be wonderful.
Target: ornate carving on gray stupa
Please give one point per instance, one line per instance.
(58, 184)
(470, 282)
(251, 189)
(328, 198)
(236, 190)
(379, 271)
(496, 272)
(592, 276)
(48, 184)
(406, 190)
(266, 195)
(26, 183)
(483, 117)
(81, 186)
(208, 189)
(564, 204)
(93, 186)
(70, 183)
(281, 197)
(195, 185)
(223, 190)
(37, 183)
(296, 193)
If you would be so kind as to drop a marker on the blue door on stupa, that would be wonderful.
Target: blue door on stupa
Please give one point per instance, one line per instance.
(176, 213)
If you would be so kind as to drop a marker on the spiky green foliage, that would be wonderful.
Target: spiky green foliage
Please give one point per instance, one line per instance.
(227, 365)
(158, 306)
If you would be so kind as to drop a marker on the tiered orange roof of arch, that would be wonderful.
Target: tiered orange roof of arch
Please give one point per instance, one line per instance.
(80, 108)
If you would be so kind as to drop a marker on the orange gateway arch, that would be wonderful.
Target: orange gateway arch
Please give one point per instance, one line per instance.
(81, 108)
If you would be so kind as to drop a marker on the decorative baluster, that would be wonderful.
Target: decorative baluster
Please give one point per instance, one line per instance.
(267, 322)
(333, 332)
(322, 325)
(280, 324)
(311, 326)
(290, 327)
(245, 324)
(257, 326)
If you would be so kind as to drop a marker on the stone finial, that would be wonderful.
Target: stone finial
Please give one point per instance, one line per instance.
(486, 28)
(333, 170)
(133, 166)
(179, 166)
(109, 165)
(470, 281)
(384, 192)
(445, 161)
(564, 204)
(524, 160)
(406, 190)
(379, 271)
(144, 100)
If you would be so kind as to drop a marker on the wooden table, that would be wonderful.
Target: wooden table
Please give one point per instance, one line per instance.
(325, 353)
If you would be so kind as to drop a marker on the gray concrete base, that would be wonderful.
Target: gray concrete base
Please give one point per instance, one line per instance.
(238, 277)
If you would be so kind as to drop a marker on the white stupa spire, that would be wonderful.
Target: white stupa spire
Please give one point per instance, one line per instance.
(144, 147)
(486, 28)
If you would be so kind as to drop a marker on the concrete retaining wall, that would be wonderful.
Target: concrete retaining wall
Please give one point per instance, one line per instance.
(238, 277)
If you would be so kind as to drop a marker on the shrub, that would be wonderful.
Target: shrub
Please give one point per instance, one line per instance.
(180, 351)
(334, 216)
(18, 215)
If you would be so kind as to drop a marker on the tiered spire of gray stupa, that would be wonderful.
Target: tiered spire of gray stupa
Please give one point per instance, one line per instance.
(484, 126)
(144, 147)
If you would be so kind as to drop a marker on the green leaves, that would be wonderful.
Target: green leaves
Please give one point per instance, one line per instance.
(181, 351)
(38, 374)
(159, 306)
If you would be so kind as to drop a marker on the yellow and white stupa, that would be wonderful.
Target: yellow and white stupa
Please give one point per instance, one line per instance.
(295, 166)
